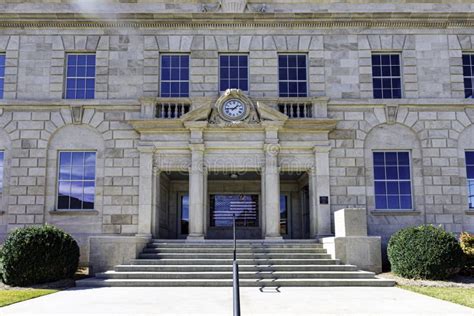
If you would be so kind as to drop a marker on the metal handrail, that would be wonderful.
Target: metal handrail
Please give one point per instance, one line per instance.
(235, 276)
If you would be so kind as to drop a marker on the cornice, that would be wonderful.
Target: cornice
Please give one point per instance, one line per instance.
(242, 20)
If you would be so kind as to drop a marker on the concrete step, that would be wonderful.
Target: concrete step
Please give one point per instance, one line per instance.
(242, 275)
(242, 268)
(229, 250)
(96, 282)
(228, 261)
(191, 255)
(231, 245)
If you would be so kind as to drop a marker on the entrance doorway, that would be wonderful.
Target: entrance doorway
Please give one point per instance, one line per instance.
(234, 194)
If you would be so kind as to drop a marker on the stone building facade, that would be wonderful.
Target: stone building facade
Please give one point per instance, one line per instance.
(162, 164)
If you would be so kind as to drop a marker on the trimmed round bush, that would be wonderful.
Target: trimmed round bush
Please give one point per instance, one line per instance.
(38, 254)
(424, 252)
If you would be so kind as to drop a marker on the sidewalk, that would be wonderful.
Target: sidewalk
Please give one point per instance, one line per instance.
(218, 301)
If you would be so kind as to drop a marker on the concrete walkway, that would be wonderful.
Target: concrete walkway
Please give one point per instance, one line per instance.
(218, 301)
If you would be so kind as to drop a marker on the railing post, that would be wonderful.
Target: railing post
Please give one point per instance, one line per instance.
(235, 275)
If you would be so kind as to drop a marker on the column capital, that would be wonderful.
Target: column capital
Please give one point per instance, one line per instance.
(197, 147)
(146, 148)
(321, 149)
(272, 149)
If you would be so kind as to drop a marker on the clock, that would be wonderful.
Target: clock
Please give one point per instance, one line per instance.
(234, 109)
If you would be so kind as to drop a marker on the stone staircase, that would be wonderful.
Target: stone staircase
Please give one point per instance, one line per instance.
(209, 263)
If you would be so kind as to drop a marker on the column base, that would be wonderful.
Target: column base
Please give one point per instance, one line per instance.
(273, 238)
(195, 237)
(149, 236)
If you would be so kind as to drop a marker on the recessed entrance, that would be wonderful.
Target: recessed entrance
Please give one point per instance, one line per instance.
(234, 194)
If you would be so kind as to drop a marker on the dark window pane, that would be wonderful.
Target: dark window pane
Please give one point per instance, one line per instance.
(292, 61)
(470, 157)
(375, 59)
(71, 71)
(302, 61)
(379, 159)
(81, 60)
(392, 187)
(405, 202)
(165, 62)
(380, 187)
(234, 73)
(376, 71)
(292, 75)
(71, 60)
(392, 172)
(185, 61)
(395, 59)
(377, 94)
(174, 73)
(465, 59)
(403, 158)
(396, 83)
(397, 93)
(184, 74)
(377, 83)
(405, 187)
(387, 94)
(467, 70)
(184, 89)
(379, 173)
(91, 60)
(380, 202)
(282, 61)
(385, 59)
(243, 61)
(386, 71)
(391, 158)
(470, 172)
(404, 173)
(80, 94)
(393, 202)
(175, 61)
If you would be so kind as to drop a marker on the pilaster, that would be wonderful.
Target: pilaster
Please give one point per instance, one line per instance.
(145, 195)
(321, 191)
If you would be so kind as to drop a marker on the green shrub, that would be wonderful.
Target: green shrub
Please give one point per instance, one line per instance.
(424, 252)
(38, 254)
(466, 241)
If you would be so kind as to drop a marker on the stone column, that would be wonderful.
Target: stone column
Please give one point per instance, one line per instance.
(321, 190)
(313, 203)
(196, 192)
(145, 194)
(156, 202)
(272, 192)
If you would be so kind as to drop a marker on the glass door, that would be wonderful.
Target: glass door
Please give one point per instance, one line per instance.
(183, 215)
(224, 206)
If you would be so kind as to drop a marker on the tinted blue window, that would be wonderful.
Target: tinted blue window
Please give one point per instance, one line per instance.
(292, 76)
(233, 72)
(1, 170)
(80, 76)
(174, 72)
(470, 177)
(2, 74)
(76, 181)
(392, 181)
(386, 78)
(468, 72)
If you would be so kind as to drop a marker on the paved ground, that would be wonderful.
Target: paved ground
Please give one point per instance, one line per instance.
(218, 301)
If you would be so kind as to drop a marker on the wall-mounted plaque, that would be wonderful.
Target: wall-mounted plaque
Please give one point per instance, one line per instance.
(324, 200)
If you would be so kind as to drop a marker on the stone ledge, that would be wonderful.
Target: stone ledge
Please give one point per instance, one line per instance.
(470, 212)
(395, 213)
(74, 213)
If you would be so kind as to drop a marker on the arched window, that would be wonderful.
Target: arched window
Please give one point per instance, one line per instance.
(466, 154)
(75, 169)
(394, 177)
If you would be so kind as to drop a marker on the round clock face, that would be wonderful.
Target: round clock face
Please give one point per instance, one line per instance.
(233, 109)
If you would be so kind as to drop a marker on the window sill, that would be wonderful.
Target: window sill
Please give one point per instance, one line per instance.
(470, 212)
(74, 213)
(395, 213)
